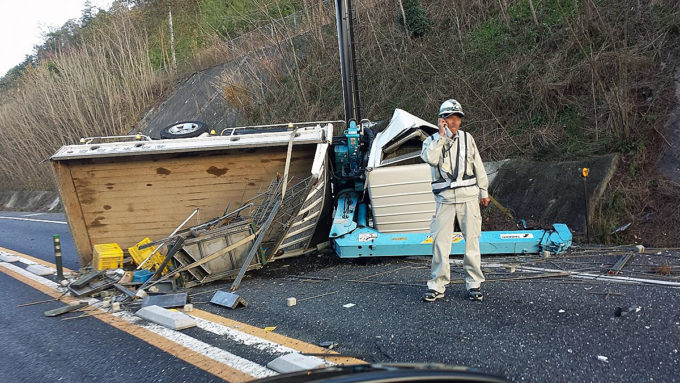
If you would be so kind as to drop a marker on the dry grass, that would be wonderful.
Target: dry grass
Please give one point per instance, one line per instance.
(101, 87)
(583, 81)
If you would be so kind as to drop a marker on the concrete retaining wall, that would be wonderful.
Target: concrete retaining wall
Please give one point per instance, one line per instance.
(30, 201)
(552, 192)
(669, 165)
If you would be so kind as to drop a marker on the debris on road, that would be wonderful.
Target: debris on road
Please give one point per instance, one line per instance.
(107, 256)
(9, 258)
(66, 309)
(620, 312)
(602, 358)
(84, 279)
(228, 299)
(166, 300)
(40, 270)
(620, 264)
(174, 320)
(124, 290)
(328, 344)
(147, 258)
(295, 362)
(93, 282)
(664, 269)
(37, 303)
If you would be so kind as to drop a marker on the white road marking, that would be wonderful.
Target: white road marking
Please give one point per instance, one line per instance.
(34, 220)
(29, 275)
(32, 214)
(209, 351)
(242, 337)
(23, 260)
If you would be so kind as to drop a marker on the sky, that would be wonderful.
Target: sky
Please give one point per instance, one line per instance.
(24, 23)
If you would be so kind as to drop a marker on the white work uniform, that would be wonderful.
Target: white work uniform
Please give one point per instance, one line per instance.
(459, 180)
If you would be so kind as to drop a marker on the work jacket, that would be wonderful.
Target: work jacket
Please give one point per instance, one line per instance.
(457, 170)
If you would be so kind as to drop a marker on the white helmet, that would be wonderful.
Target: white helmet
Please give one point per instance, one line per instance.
(450, 107)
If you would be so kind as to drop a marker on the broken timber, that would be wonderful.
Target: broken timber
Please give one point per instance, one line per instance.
(65, 309)
(618, 266)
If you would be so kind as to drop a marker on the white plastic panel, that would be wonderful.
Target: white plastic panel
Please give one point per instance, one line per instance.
(401, 198)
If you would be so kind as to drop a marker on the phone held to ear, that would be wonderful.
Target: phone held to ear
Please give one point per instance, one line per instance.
(448, 131)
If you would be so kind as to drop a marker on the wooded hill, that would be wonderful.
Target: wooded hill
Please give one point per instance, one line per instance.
(540, 79)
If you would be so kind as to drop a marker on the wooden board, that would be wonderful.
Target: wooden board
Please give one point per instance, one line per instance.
(125, 199)
(74, 213)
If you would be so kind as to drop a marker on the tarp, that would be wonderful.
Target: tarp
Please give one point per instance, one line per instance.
(401, 122)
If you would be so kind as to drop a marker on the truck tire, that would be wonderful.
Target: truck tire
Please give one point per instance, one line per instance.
(184, 129)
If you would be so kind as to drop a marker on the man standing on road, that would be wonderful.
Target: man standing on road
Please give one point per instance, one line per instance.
(459, 184)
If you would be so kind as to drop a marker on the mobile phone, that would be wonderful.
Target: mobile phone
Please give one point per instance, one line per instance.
(447, 131)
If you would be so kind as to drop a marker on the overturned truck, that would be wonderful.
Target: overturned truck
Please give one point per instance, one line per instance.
(123, 191)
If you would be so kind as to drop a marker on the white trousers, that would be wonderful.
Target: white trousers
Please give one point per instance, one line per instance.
(470, 221)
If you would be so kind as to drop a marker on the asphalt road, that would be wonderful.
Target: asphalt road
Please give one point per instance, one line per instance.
(553, 329)
(31, 233)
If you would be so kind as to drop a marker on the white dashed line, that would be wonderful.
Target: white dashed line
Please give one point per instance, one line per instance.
(34, 220)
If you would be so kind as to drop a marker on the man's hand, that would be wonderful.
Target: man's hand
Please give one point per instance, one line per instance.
(484, 201)
(442, 127)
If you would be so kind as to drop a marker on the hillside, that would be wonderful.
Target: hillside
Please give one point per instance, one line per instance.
(541, 79)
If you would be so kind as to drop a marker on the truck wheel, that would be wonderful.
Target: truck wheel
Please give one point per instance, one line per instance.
(184, 129)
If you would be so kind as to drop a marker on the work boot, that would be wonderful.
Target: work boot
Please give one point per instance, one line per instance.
(432, 295)
(475, 294)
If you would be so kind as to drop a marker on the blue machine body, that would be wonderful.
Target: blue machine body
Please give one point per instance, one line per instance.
(367, 242)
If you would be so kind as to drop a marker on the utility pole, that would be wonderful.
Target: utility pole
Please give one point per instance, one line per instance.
(172, 40)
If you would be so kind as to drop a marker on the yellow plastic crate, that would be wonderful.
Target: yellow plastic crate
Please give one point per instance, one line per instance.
(107, 256)
(138, 256)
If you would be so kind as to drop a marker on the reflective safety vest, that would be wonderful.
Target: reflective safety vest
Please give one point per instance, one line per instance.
(457, 177)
